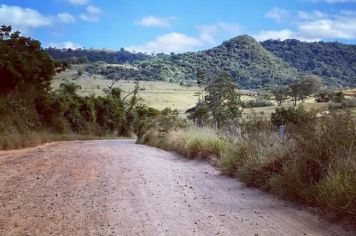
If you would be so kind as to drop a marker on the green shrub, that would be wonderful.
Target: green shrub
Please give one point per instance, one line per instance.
(109, 115)
(257, 103)
(292, 116)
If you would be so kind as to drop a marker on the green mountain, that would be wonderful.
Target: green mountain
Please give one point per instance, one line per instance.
(335, 62)
(243, 57)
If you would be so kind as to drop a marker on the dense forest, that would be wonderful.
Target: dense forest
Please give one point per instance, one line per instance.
(78, 56)
(335, 62)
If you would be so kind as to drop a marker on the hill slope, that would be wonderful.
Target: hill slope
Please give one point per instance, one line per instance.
(335, 62)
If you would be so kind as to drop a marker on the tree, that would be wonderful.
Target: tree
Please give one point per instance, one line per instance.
(223, 100)
(295, 91)
(310, 85)
(280, 94)
(24, 62)
(307, 86)
(199, 113)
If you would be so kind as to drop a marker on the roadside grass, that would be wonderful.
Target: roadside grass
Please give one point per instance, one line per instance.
(315, 165)
(196, 142)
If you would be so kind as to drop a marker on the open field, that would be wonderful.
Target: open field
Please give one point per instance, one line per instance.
(160, 95)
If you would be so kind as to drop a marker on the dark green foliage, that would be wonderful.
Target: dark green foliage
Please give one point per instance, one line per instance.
(109, 115)
(144, 117)
(222, 103)
(259, 102)
(23, 61)
(159, 125)
(280, 94)
(337, 97)
(199, 114)
(309, 85)
(335, 62)
(223, 100)
(292, 116)
(79, 56)
(69, 88)
(323, 96)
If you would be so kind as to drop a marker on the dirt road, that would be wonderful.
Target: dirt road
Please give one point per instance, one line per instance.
(116, 187)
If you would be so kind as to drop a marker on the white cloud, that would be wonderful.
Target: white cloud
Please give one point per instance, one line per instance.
(277, 14)
(208, 33)
(179, 42)
(271, 34)
(321, 25)
(92, 14)
(67, 44)
(172, 42)
(79, 2)
(154, 21)
(66, 17)
(340, 27)
(303, 15)
(23, 18)
(316, 26)
(282, 35)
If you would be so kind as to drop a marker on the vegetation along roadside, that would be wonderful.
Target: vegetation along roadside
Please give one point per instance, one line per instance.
(300, 155)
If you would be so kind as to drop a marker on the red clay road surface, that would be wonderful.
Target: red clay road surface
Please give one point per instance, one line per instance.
(116, 187)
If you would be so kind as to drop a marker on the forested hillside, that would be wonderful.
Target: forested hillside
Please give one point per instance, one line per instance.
(335, 62)
(250, 65)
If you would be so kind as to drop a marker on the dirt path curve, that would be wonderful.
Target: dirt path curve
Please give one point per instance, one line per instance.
(115, 187)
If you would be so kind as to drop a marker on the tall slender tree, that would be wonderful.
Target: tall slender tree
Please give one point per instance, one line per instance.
(223, 100)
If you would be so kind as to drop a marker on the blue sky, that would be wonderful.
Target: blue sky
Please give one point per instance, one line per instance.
(177, 25)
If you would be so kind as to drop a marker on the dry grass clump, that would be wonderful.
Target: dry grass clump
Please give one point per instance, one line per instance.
(192, 142)
(197, 142)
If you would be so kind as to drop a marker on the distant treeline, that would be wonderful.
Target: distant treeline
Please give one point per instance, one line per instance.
(79, 56)
(336, 62)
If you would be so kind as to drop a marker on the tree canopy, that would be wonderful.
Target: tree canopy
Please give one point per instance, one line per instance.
(23, 61)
